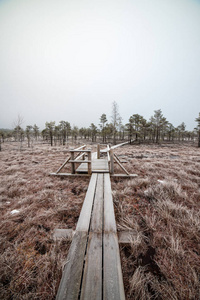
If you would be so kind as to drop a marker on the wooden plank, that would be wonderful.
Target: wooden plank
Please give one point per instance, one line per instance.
(119, 163)
(113, 287)
(65, 162)
(124, 175)
(76, 150)
(98, 165)
(92, 279)
(69, 175)
(79, 148)
(109, 216)
(84, 218)
(71, 279)
(97, 214)
(116, 146)
(119, 145)
(108, 153)
(79, 161)
(80, 156)
(94, 155)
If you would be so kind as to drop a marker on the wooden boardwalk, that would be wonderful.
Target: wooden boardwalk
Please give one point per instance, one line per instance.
(98, 166)
(93, 268)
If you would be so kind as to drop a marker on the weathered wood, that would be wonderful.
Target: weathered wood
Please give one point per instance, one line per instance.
(94, 155)
(71, 279)
(113, 287)
(97, 214)
(111, 162)
(119, 163)
(84, 218)
(92, 279)
(98, 151)
(78, 149)
(80, 156)
(98, 166)
(70, 175)
(113, 282)
(109, 216)
(80, 161)
(72, 163)
(123, 175)
(119, 145)
(116, 146)
(89, 163)
(66, 161)
(108, 153)
(100, 277)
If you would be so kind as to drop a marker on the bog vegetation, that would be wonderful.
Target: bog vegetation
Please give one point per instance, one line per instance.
(156, 130)
(161, 207)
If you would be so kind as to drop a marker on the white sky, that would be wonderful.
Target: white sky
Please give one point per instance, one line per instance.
(70, 59)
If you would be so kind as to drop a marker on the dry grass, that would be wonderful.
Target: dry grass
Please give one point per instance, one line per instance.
(161, 205)
(31, 261)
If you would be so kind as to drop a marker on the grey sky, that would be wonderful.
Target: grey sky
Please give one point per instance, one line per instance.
(70, 59)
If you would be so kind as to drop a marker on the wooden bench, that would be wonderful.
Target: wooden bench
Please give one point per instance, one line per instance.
(93, 268)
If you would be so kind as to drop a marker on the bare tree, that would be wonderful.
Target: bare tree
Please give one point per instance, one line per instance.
(115, 118)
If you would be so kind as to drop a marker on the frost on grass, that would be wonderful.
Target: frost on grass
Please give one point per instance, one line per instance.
(161, 262)
(161, 206)
(33, 205)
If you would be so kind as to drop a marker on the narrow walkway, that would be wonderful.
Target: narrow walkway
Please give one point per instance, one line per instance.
(98, 166)
(93, 267)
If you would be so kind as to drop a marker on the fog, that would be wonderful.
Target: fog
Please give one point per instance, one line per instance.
(69, 60)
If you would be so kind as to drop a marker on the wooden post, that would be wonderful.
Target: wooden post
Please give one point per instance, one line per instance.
(98, 151)
(89, 163)
(111, 161)
(72, 163)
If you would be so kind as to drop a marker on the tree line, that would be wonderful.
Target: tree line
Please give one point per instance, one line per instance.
(157, 129)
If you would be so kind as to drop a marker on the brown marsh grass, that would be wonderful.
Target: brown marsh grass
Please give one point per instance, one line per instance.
(32, 205)
(161, 206)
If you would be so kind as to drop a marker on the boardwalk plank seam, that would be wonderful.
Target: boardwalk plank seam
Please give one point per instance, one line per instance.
(93, 267)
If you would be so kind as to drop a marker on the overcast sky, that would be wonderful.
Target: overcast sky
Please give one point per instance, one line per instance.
(70, 59)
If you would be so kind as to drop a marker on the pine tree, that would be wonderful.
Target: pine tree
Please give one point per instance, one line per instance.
(103, 121)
